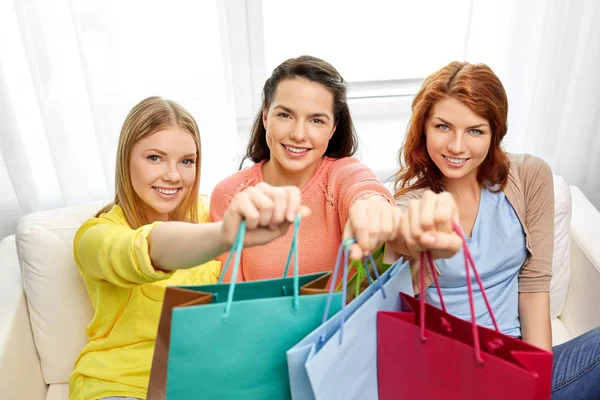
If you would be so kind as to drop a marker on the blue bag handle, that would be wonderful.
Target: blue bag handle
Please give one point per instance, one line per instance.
(345, 247)
(238, 246)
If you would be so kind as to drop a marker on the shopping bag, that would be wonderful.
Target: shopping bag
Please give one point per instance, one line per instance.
(229, 341)
(359, 277)
(338, 359)
(424, 352)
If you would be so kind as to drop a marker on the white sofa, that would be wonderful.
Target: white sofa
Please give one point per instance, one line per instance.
(44, 308)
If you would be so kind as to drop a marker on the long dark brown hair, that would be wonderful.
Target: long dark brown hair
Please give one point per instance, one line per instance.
(477, 87)
(344, 141)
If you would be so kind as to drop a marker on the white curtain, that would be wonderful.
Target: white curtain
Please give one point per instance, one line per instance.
(71, 70)
(547, 53)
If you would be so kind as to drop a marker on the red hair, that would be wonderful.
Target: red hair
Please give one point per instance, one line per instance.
(477, 87)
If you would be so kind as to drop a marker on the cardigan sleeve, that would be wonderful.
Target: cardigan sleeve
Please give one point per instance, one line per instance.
(538, 190)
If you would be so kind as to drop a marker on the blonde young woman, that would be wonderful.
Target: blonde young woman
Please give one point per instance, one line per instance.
(155, 234)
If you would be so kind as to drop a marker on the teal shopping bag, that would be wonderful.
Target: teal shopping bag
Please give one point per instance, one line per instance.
(228, 341)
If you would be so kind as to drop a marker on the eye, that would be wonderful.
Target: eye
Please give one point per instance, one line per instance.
(153, 158)
(284, 115)
(475, 132)
(318, 121)
(189, 161)
(443, 127)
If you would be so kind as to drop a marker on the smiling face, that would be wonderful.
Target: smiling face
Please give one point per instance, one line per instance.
(163, 170)
(458, 140)
(299, 124)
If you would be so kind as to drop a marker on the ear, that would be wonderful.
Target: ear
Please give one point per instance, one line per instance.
(264, 118)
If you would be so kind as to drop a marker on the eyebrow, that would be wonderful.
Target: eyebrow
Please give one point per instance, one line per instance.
(289, 110)
(470, 127)
(162, 153)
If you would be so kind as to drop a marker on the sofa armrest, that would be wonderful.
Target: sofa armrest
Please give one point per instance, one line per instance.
(20, 371)
(582, 306)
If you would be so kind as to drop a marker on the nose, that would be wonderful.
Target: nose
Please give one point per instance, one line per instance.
(172, 174)
(298, 132)
(457, 143)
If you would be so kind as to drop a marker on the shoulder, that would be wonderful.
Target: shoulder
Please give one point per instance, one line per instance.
(530, 184)
(236, 182)
(342, 168)
(224, 191)
(342, 163)
(528, 167)
(113, 217)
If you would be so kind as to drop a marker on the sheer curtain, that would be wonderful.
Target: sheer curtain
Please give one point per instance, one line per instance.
(70, 72)
(547, 54)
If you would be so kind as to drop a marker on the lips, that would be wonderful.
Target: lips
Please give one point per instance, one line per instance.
(456, 160)
(166, 190)
(295, 149)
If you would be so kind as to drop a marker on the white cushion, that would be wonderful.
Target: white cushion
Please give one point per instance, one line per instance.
(561, 262)
(560, 334)
(59, 306)
(59, 391)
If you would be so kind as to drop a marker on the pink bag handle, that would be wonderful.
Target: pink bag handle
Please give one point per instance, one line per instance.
(468, 261)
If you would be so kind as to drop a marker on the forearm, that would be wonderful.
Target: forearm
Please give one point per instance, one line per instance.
(182, 245)
(534, 312)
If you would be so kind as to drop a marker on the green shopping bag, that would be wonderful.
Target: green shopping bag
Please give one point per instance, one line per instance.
(229, 341)
(358, 282)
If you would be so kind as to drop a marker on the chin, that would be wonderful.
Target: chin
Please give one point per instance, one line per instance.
(162, 209)
(453, 174)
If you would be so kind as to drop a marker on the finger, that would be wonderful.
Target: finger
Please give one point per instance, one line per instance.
(304, 211)
(356, 253)
(414, 219)
(444, 212)
(406, 234)
(263, 204)
(446, 244)
(386, 223)
(262, 235)
(374, 228)
(396, 217)
(428, 203)
(244, 208)
(280, 197)
(358, 226)
(294, 199)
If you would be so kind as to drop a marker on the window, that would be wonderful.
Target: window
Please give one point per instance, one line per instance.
(378, 40)
(383, 48)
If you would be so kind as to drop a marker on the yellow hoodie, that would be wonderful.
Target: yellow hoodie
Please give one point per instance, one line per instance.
(127, 293)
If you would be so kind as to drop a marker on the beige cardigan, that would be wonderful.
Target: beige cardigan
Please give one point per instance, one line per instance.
(530, 190)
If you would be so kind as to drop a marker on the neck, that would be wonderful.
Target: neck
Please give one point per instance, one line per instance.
(468, 187)
(274, 174)
(153, 216)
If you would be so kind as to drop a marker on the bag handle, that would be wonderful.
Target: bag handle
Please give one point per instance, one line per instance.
(468, 261)
(238, 246)
(345, 248)
(287, 263)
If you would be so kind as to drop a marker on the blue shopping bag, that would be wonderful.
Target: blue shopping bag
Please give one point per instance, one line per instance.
(230, 341)
(338, 359)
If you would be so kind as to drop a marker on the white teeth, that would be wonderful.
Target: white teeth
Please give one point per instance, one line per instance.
(166, 191)
(295, 149)
(455, 160)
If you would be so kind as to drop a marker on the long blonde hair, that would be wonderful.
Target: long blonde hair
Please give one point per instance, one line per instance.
(146, 118)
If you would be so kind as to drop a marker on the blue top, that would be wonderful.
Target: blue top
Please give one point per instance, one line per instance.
(497, 245)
